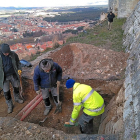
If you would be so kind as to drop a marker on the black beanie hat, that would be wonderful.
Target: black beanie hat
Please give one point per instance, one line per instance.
(5, 48)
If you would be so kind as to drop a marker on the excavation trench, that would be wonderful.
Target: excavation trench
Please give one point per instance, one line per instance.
(56, 121)
(102, 69)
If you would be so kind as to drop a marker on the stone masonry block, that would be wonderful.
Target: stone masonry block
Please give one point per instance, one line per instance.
(128, 91)
(128, 101)
(136, 104)
(131, 30)
(136, 76)
(138, 137)
(138, 117)
(129, 127)
(137, 84)
(127, 80)
(137, 123)
(126, 113)
(128, 108)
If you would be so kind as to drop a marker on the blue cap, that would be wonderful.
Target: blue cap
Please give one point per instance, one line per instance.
(70, 83)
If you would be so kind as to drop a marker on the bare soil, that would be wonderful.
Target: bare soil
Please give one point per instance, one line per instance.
(102, 69)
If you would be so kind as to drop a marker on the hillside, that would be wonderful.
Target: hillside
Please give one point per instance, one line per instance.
(99, 36)
(91, 58)
(76, 14)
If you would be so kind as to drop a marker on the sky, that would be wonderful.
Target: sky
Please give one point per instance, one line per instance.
(50, 3)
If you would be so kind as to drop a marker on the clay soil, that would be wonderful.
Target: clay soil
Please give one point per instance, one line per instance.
(102, 69)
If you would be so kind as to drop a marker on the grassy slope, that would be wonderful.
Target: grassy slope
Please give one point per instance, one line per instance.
(101, 37)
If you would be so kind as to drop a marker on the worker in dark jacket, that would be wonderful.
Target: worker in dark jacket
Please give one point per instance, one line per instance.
(47, 76)
(110, 17)
(10, 70)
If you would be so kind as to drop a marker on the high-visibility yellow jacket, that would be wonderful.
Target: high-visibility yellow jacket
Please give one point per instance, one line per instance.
(93, 104)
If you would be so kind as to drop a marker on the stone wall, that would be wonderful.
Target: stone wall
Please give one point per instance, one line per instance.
(103, 17)
(110, 4)
(125, 7)
(122, 114)
(113, 4)
(112, 118)
(122, 7)
(131, 114)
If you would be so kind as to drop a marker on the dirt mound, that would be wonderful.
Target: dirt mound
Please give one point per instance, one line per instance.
(84, 61)
(64, 57)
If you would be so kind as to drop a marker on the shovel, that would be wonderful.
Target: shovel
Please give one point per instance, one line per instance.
(59, 106)
(67, 124)
(21, 90)
(43, 120)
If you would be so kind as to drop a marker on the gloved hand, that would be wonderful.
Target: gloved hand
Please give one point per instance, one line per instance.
(19, 72)
(71, 123)
(38, 92)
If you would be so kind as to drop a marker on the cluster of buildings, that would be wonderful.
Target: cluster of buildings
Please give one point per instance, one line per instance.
(14, 28)
(24, 50)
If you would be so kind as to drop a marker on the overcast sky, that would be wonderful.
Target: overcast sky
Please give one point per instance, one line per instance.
(50, 3)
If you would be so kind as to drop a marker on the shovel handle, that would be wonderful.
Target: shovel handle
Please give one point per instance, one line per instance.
(67, 123)
(21, 90)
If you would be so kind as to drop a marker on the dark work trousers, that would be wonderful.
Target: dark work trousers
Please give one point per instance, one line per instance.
(15, 83)
(86, 123)
(45, 94)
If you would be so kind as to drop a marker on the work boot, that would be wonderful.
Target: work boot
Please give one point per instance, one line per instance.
(47, 110)
(17, 98)
(10, 106)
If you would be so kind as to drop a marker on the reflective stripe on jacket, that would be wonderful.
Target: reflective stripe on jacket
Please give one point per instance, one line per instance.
(92, 102)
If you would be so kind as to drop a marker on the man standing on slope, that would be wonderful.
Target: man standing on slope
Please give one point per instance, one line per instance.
(47, 76)
(110, 17)
(10, 70)
(92, 103)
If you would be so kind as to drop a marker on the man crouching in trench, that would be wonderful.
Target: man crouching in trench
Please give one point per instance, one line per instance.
(47, 76)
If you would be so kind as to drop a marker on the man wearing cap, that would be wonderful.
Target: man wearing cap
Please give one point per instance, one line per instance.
(92, 103)
(10, 70)
(47, 76)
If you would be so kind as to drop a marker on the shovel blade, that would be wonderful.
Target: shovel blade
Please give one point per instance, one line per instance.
(43, 120)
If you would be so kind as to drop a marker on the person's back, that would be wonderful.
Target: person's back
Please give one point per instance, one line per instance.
(87, 98)
(81, 91)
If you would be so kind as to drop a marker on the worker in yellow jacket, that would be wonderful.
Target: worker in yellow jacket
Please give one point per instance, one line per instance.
(87, 98)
